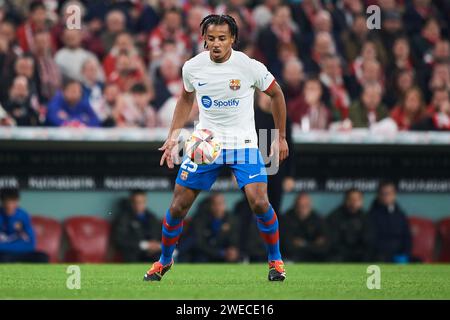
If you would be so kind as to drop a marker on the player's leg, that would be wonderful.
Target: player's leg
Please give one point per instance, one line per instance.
(267, 223)
(251, 176)
(191, 179)
(172, 227)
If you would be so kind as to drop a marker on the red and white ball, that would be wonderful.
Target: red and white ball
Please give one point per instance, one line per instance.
(203, 147)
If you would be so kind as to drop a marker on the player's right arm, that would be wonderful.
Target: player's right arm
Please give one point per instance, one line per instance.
(180, 116)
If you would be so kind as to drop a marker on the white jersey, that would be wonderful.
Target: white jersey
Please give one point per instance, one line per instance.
(225, 94)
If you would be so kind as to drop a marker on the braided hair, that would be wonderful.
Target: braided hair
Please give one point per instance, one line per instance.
(216, 19)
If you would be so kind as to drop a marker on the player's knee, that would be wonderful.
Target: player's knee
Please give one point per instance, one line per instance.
(259, 205)
(178, 210)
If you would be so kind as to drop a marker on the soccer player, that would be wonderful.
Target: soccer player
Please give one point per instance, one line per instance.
(223, 81)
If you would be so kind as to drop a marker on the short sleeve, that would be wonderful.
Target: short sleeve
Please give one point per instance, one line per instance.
(187, 79)
(263, 79)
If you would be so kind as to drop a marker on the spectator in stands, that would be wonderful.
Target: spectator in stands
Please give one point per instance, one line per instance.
(369, 109)
(170, 28)
(115, 24)
(348, 230)
(440, 76)
(304, 233)
(322, 22)
(37, 21)
(19, 105)
(424, 41)
(194, 16)
(143, 18)
(134, 109)
(323, 47)
(410, 111)
(403, 59)
(263, 12)
(416, 14)
(371, 71)
(50, 78)
(335, 84)
(92, 40)
(109, 102)
(292, 81)
(92, 86)
(215, 230)
(281, 30)
(391, 29)
(439, 118)
(128, 72)
(441, 51)
(25, 66)
(71, 57)
(245, 25)
(123, 43)
(17, 239)
(68, 108)
(368, 52)
(353, 40)
(308, 110)
(391, 234)
(5, 118)
(401, 81)
(136, 232)
(169, 83)
(8, 55)
(8, 31)
(440, 95)
(346, 11)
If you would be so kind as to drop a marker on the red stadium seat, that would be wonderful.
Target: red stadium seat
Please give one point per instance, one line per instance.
(444, 235)
(423, 238)
(88, 239)
(48, 236)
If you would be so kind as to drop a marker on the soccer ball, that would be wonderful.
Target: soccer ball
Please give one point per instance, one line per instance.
(203, 147)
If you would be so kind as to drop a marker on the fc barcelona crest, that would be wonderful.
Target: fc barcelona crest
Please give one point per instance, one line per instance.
(235, 84)
(184, 175)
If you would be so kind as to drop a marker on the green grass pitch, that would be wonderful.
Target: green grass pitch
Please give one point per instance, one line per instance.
(232, 281)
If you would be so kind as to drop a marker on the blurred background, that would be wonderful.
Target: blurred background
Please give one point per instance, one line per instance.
(83, 111)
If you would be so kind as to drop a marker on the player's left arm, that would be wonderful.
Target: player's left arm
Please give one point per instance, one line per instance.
(278, 106)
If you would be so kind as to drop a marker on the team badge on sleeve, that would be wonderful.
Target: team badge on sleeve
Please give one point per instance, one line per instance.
(235, 84)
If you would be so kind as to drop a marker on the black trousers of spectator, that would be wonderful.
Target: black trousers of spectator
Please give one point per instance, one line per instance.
(140, 256)
(275, 190)
(34, 256)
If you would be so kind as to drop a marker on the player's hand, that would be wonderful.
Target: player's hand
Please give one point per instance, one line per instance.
(167, 155)
(281, 148)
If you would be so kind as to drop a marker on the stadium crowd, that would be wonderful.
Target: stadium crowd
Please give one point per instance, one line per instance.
(122, 68)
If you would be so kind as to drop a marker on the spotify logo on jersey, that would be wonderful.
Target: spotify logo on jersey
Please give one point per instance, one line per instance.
(206, 101)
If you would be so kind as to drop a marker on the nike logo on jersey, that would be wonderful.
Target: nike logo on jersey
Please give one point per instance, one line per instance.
(202, 84)
(254, 175)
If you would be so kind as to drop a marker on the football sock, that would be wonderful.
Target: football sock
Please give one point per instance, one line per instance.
(171, 231)
(268, 229)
